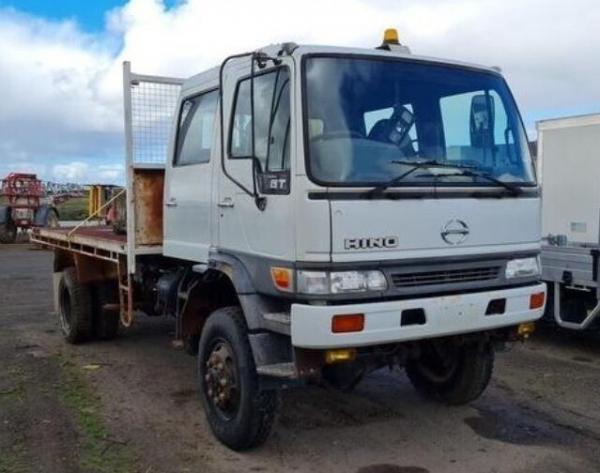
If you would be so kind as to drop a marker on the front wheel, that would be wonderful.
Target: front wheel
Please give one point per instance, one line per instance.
(239, 413)
(453, 374)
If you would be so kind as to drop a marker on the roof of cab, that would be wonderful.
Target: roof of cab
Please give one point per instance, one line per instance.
(316, 49)
(210, 78)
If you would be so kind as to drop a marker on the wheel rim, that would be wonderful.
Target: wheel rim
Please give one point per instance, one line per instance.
(440, 362)
(65, 310)
(221, 380)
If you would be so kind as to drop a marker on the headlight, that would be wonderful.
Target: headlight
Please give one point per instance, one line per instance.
(523, 267)
(313, 282)
(338, 282)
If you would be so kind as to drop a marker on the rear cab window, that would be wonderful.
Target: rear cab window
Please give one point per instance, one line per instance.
(195, 129)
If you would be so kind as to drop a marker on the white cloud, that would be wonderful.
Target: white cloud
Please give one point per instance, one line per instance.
(108, 174)
(61, 109)
(76, 171)
(86, 173)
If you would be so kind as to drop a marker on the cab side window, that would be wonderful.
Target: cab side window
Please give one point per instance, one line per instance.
(272, 121)
(196, 129)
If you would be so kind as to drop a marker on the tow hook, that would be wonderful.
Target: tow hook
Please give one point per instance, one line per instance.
(525, 330)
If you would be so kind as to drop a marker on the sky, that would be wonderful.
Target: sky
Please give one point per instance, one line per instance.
(60, 60)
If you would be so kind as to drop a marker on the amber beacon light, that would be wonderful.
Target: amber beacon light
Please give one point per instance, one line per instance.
(390, 36)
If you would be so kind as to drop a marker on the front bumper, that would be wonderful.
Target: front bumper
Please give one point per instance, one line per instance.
(444, 315)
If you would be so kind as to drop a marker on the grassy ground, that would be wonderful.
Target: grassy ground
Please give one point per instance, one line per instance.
(52, 418)
(74, 209)
(99, 452)
(13, 455)
(75, 418)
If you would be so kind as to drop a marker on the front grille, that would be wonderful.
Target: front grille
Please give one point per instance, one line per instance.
(448, 276)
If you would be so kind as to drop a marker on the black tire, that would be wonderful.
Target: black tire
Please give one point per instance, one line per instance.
(247, 420)
(8, 232)
(75, 307)
(463, 382)
(105, 320)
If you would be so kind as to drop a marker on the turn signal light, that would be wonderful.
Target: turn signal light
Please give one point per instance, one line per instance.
(537, 300)
(282, 278)
(340, 355)
(345, 323)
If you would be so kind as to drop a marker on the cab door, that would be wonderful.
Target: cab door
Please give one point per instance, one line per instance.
(245, 225)
(187, 216)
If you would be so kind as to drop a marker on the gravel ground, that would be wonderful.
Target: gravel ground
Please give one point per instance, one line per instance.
(131, 405)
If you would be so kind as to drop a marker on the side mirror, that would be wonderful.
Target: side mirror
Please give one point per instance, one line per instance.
(481, 122)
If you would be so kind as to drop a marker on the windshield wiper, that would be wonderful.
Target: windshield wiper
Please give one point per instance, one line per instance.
(463, 170)
(415, 166)
(469, 172)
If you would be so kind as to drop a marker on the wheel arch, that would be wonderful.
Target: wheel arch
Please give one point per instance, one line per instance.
(226, 282)
(206, 293)
(223, 282)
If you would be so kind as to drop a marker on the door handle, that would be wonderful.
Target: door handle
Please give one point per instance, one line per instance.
(226, 202)
(172, 202)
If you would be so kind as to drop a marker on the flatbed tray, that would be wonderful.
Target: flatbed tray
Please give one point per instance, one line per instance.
(97, 240)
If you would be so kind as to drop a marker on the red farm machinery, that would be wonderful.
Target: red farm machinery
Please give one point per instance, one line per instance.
(25, 205)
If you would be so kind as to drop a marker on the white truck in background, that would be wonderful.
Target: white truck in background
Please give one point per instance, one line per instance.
(569, 165)
(318, 213)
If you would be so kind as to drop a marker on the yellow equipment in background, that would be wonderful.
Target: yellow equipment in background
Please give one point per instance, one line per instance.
(99, 197)
(96, 198)
(106, 203)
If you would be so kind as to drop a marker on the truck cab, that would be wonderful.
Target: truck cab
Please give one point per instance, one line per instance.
(338, 176)
(327, 212)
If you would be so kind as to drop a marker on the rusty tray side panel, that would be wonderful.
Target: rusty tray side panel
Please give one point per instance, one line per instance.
(148, 191)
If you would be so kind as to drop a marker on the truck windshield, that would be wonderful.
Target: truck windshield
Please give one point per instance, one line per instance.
(368, 119)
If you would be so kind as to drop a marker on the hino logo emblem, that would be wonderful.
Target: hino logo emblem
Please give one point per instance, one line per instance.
(370, 242)
(455, 232)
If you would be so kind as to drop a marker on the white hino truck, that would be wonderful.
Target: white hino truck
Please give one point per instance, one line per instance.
(313, 213)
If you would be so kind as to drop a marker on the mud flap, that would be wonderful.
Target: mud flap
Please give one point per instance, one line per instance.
(270, 348)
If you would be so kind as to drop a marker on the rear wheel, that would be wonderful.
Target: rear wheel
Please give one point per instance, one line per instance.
(454, 374)
(75, 307)
(239, 413)
(8, 232)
